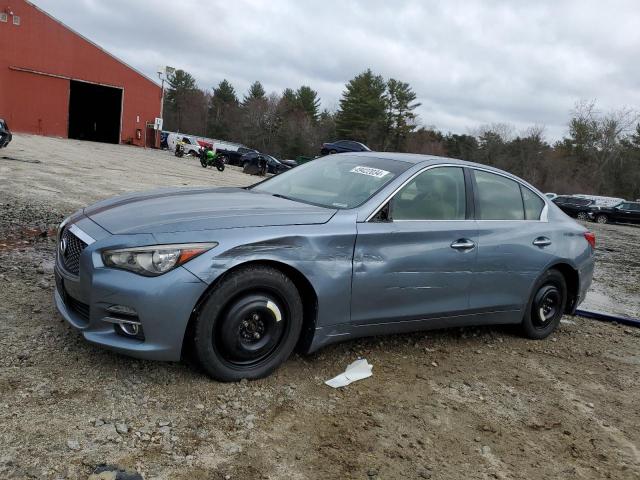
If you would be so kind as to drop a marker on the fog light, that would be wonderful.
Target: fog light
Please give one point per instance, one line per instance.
(122, 310)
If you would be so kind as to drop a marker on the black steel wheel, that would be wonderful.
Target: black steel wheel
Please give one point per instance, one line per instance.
(546, 305)
(249, 324)
(251, 329)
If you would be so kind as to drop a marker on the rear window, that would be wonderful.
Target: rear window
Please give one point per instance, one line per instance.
(533, 204)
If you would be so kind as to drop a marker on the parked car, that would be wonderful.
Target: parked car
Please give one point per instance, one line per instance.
(190, 143)
(574, 206)
(291, 163)
(234, 157)
(273, 165)
(342, 146)
(601, 201)
(5, 134)
(350, 246)
(624, 212)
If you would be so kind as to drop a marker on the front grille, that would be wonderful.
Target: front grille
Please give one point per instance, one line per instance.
(70, 248)
(80, 308)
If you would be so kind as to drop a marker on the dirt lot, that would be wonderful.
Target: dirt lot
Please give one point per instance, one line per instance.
(456, 404)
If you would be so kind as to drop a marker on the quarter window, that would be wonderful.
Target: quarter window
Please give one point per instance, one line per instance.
(533, 204)
(499, 198)
(437, 194)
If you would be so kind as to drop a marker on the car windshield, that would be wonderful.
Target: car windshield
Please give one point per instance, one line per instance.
(338, 181)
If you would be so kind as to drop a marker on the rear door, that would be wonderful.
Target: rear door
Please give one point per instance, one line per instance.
(625, 212)
(415, 259)
(515, 242)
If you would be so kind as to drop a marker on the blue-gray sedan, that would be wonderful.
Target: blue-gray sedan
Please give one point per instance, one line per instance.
(338, 248)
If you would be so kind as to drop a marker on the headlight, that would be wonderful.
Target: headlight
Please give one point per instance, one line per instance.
(154, 260)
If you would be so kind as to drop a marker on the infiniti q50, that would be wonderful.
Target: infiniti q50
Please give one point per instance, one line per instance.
(341, 247)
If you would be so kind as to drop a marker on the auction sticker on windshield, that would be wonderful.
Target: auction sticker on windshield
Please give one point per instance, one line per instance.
(372, 172)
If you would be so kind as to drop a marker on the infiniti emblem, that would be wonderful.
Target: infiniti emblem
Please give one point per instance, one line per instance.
(63, 245)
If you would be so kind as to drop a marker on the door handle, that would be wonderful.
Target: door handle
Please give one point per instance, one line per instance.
(542, 242)
(463, 244)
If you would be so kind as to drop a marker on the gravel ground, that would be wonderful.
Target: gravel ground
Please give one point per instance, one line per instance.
(475, 403)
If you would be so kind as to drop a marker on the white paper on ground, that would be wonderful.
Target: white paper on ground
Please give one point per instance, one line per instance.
(356, 371)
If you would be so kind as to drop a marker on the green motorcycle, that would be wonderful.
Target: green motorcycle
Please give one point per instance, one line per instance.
(209, 158)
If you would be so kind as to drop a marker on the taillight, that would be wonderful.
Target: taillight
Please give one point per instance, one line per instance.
(591, 238)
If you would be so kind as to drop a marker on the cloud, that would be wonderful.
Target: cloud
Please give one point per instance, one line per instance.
(470, 63)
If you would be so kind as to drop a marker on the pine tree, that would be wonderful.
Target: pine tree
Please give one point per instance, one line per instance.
(308, 101)
(181, 88)
(400, 116)
(256, 92)
(225, 93)
(222, 112)
(362, 114)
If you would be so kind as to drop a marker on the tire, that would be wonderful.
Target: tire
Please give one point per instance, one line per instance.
(203, 163)
(331, 152)
(237, 332)
(220, 167)
(583, 216)
(546, 306)
(245, 165)
(602, 218)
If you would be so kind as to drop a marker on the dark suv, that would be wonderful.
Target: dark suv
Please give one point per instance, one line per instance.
(577, 207)
(343, 146)
(624, 212)
(5, 134)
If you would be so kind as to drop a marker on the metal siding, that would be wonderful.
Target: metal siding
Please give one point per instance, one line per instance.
(42, 44)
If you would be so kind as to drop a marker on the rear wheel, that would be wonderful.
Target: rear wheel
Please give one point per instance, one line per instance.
(602, 218)
(331, 152)
(546, 306)
(249, 325)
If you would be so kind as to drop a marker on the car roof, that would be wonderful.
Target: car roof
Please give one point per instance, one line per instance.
(416, 158)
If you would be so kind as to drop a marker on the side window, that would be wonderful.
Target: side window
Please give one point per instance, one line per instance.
(499, 198)
(533, 204)
(437, 194)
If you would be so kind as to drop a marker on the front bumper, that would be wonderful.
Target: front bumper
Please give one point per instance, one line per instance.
(164, 305)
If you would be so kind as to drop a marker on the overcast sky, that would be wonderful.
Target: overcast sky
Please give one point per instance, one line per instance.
(470, 63)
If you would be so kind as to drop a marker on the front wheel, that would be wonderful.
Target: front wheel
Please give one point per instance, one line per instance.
(249, 325)
(583, 216)
(203, 163)
(602, 218)
(546, 306)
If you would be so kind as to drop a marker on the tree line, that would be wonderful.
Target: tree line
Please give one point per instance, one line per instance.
(600, 154)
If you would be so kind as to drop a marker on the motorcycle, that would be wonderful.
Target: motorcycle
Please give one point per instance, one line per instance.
(179, 150)
(209, 158)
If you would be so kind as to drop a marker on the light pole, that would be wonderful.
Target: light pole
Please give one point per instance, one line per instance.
(163, 71)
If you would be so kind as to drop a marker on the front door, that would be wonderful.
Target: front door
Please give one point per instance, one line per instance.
(416, 261)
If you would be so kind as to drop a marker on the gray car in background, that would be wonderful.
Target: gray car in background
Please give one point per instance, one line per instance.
(338, 248)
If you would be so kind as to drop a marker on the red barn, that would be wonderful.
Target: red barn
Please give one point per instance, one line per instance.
(54, 81)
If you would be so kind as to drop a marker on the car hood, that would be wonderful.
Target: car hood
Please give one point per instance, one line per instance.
(192, 209)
